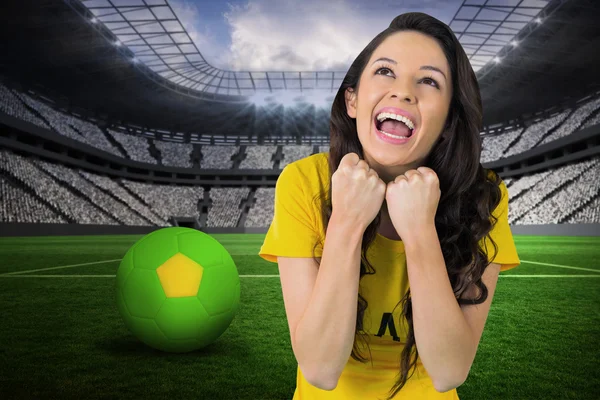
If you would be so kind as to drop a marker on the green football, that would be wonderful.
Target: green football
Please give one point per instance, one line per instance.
(178, 289)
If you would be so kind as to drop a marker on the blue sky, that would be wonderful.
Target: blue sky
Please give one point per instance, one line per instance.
(293, 35)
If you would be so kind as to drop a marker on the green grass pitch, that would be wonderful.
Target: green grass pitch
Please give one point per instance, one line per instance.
(62, 336)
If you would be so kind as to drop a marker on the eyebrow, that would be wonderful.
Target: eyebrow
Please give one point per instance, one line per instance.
(423, 67)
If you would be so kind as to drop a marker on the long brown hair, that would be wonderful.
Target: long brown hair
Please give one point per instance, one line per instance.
(468, 193)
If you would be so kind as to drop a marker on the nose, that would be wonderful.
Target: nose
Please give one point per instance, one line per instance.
(409, 98)
(401, 91)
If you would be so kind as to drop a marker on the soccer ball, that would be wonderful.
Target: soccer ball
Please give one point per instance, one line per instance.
(178, 289)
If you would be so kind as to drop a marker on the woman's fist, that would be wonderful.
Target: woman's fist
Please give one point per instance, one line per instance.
(412, 200)
(357, 191)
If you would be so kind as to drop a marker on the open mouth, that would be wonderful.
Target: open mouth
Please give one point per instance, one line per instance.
(393, 128)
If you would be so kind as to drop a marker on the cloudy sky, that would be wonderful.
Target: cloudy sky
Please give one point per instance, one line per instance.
(292, 35)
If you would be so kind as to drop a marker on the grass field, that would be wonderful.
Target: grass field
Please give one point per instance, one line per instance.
(63, 338)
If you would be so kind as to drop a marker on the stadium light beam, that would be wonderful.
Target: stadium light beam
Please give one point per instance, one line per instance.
(262, 99)
(319, 99)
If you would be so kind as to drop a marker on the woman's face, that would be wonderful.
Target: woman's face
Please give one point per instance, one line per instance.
(400, 82)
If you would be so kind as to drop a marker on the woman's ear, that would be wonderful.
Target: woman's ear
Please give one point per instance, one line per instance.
(350, 96)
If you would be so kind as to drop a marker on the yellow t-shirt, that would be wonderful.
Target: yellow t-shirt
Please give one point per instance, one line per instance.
(297, 226)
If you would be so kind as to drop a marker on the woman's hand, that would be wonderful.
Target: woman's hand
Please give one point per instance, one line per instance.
(412, 200)
(357, 191)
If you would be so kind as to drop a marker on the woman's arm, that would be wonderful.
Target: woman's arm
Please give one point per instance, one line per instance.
(446, 341)
(324, 336)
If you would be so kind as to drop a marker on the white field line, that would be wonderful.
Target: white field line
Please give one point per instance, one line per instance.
(264, 276)
(561, 266)
(56, 276)
(62, 266)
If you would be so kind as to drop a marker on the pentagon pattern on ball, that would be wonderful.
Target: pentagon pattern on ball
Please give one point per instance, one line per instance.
(180, 276)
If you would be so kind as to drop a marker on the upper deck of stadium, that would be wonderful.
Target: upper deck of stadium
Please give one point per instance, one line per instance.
(57, 48)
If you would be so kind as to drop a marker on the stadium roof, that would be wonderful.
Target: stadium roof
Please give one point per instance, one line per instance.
(62, 53)
(154, 35)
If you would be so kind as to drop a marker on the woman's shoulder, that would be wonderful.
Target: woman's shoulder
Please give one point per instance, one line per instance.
(313, 167)
(309, 175)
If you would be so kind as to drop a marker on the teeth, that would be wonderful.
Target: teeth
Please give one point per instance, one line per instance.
(394, 136)
(400, 118)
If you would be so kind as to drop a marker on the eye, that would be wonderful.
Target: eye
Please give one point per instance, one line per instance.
(432, 80)
(382, 69)
(428, 78)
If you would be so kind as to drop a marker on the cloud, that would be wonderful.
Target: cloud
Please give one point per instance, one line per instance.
(291, 35)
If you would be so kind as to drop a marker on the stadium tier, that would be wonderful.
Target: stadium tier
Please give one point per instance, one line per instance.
(177, 154)
(40, 191)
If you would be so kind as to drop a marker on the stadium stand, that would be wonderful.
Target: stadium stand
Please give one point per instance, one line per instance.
(519, 185)
(218, 157)
(595, 120)
(261, 213)
(574, 121)
(532, 135)
(529, 206)
(120, 193)
(258, 157)
(44, 186)
(12, 106)
(20, 206)
(137, 148)
(55, 119)
(493, 147)
(93, 135)
(574, 194)
(225, 211)
(590, 214)
(294, 153)
(175, 154)
(53, 193)
(118, 210)
(168, 200)
(545, 131)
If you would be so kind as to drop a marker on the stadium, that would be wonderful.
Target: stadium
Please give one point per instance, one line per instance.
(113, 124)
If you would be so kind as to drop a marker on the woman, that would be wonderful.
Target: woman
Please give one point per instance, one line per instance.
(391, 244)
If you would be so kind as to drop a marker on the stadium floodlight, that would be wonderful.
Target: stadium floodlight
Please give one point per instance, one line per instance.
(497, 59)
(538, 20)
(94, 20)
(118, 43)
(135, 60)
(514, 43)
